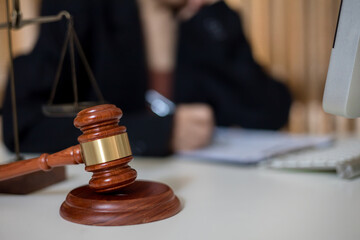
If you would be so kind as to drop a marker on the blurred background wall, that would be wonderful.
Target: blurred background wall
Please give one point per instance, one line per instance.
(23, 40)
(291, 39)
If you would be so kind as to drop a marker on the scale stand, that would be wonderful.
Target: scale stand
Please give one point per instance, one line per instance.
(37, 180)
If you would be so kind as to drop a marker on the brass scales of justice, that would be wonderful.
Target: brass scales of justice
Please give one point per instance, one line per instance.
(113, 196)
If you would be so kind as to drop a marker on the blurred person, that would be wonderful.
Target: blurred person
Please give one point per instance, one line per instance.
(193, 52)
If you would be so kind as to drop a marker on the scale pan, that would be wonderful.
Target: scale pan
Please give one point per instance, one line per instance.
(66, 110)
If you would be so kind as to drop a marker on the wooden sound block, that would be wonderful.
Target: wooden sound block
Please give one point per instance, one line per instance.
(141, 202)
(32, 182)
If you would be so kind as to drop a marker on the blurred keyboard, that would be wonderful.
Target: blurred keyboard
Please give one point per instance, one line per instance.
(343, 156)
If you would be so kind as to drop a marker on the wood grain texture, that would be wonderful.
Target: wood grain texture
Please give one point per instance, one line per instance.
(32, 182)
(301, 35)
(279, 40)
(96, 123)
(141, 202)
(45, 162)
(260, 31)
(130, 201)
(111, 176)
(100, 122)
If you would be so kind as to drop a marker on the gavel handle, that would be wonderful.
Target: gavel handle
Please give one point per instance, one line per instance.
(45, 162)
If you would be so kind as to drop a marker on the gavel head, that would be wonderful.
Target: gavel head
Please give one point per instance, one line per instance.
(105, 148)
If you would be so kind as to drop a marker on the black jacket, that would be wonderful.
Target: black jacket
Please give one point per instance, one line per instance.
(214, 66)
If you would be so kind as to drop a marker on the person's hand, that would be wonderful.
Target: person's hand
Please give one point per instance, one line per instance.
(193, 126)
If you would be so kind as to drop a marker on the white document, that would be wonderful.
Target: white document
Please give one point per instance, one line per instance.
(251, 146)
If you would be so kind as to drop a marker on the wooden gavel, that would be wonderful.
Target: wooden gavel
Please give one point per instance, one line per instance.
(104, 148)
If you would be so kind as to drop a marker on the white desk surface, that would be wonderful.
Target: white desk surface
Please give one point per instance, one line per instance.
(219, 202)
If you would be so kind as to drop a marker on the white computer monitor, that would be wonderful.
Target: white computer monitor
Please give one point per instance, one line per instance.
(342, 88)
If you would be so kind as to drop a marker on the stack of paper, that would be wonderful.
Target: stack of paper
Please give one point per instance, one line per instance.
(251, 146)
